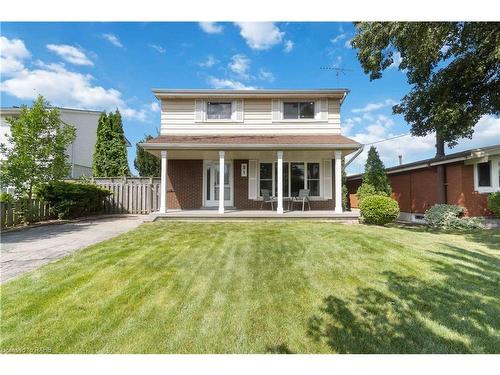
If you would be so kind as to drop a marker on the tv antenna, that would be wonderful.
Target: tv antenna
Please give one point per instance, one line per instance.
(338, 71)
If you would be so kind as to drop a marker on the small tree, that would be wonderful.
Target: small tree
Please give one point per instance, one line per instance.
(146, 164)
(110, 153)
(375, 173)
(36, 149)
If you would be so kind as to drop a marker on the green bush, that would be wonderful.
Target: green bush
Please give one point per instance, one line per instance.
(6, 197)
(70, 199)
(367, 190)
(378, 209)
(450, 217)
(494, 203)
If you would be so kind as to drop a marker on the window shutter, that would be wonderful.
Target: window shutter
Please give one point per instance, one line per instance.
(252, 179)
(276, 108)
(321, 109)
(237, 110)
(327, 179)
(324, 110)
(199, 110)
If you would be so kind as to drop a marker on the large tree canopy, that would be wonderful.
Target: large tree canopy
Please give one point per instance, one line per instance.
(453, 68)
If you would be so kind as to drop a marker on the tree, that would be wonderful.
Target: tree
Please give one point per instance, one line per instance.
(375, 173)
(453, 68)
(146, 164)
(110, 153)
(36, 149)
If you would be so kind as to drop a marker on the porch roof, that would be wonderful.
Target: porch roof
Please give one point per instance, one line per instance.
(228, 142)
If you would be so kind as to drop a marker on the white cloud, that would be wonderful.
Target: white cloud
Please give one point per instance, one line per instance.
(59, 85)
(70, 54)
(409, 147)
(260, 35)
(13, 52)
(211, 27)
(266, 75)
(338, 38)
(374, 106)
(240, 64)
(157, 48)
(209, 62)
(288, 46)
(155, 107)
(113, 39)
(221, 83)
(396, 57)
(347, 43)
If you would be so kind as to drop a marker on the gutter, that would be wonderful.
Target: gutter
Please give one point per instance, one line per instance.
(214, 146)
(354, 156)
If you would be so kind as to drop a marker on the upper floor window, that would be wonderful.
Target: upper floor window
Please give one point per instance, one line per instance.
(218, 110)
(298, 110)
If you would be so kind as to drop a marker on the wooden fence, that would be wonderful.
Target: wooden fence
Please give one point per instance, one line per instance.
(11, 214)
(131, 195)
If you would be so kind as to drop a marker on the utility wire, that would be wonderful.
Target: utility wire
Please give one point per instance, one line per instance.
(387, 139)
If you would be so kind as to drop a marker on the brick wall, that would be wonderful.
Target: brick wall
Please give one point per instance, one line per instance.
(415, 190)
(185, 184)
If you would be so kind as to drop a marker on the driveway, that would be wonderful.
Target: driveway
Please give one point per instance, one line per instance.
(30, 248)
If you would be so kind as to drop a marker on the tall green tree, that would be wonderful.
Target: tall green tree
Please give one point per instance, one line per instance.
(36, 151)
(375, 174)
(146, 164)
(453, 69)
(110, 153)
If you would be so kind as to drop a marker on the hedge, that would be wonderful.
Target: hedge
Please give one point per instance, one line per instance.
(378, 209)
(71, 200)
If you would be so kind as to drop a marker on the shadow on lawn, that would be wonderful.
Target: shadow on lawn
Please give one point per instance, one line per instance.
(419, 316)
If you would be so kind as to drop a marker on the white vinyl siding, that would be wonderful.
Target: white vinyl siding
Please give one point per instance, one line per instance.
(250, 116)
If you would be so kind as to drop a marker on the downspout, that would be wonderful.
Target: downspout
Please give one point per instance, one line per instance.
(360, 150)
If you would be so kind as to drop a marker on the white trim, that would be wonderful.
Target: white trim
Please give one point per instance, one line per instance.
(494, 176)
(254, 146)
(289, 162)
(338, 182)
(279, 166)
(164, 182)
(212, 203)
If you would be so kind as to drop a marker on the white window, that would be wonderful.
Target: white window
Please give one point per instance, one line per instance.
(296, 175)
(298, 110)
(219, 110)
(487, 176)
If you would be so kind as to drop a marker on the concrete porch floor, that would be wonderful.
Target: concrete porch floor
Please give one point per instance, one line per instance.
(254, 214)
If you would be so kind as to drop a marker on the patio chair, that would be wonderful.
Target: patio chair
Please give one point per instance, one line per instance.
(267, 198)
(303, 198)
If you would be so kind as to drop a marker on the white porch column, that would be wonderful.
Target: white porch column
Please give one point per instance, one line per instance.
(280, 182)
(163, 184)
(221, 182)
(338, 182)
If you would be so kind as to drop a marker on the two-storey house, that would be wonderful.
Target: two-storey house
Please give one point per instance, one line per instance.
(280, 141)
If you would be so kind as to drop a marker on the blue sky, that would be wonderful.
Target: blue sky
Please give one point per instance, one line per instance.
(108, 65)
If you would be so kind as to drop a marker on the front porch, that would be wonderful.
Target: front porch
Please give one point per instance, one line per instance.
(236, 214)
(259, 173)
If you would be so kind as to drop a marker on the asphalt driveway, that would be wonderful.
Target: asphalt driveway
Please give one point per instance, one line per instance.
(30, 248)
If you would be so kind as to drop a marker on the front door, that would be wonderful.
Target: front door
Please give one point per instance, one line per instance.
(211, 183)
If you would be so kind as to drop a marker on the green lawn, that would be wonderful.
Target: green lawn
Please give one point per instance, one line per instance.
(262, 287)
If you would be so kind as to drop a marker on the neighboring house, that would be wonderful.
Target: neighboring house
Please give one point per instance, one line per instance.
(81, 150)
(262, 139)
(470, 176)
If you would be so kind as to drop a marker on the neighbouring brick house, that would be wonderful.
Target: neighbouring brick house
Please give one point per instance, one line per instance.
(469, 177)
(276, 140)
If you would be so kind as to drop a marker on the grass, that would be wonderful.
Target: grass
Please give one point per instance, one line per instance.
(262, 287)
